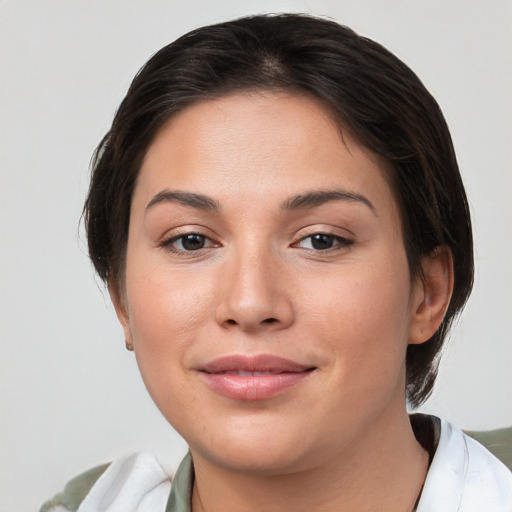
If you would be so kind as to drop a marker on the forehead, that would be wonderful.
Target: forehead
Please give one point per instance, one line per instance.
(258, 145)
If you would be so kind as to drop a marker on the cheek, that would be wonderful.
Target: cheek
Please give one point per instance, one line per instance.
(161, 300)
(364, 316)
(165, 315)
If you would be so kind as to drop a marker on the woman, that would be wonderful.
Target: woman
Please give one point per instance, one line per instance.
(279, 217)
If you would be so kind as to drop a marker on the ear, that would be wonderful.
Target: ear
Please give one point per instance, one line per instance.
(120, 305)
(431, 295)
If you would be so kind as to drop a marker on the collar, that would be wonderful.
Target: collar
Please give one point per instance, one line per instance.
(465, 477)
(181, 491)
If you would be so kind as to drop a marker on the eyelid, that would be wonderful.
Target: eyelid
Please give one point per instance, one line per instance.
(324, 229)
(343, 242)
(166, 241)
(344, 238)
(186, 229)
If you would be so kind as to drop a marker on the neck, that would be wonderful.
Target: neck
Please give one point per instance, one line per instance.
(382, 470)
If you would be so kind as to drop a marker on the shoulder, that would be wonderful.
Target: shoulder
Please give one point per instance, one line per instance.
(75, 491)
(488, 480)
(498, 442)
(135, 482)
(465, 476)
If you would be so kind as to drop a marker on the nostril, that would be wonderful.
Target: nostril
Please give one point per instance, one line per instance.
(249, 324)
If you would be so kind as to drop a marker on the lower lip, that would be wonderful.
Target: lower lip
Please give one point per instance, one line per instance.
(253, 387)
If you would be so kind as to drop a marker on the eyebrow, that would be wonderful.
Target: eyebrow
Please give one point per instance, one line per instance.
(198, 201)
(299, 202)
(320, 197)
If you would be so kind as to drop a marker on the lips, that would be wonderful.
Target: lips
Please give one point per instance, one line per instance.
(243, 373)
(241, 377)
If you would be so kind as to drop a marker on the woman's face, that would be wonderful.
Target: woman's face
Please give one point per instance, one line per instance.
(267, 291)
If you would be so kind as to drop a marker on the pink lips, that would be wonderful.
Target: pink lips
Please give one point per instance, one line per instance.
(260, 377)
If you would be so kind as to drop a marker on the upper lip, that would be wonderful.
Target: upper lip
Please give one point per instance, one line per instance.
(258, 363)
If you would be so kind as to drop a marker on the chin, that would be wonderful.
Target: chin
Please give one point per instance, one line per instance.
(264, 459)
(257, 445)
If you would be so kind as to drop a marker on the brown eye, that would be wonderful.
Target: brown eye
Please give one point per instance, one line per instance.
(188, 242)
(324, 242)
(192, 242)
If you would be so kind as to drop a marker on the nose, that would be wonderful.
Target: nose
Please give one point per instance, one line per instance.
(254, 293)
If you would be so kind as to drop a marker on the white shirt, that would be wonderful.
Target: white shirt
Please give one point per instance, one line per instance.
(463, 477)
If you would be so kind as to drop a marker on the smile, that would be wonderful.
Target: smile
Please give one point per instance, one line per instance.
(243, 373)
(241, 377)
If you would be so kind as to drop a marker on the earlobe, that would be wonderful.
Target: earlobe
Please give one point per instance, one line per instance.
(120, 305)
(431, 296)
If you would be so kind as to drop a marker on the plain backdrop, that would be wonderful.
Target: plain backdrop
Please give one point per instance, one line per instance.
(71, 397)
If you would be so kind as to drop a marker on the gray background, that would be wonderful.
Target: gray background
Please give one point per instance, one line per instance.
(70, 395)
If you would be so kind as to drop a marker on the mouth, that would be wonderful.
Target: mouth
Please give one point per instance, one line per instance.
(243, 373)
(242, 377)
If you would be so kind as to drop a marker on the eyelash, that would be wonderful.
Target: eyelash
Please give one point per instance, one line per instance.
(168, 243)
(338, 242)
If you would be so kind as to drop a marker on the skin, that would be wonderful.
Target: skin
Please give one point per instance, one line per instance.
(340, 439)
